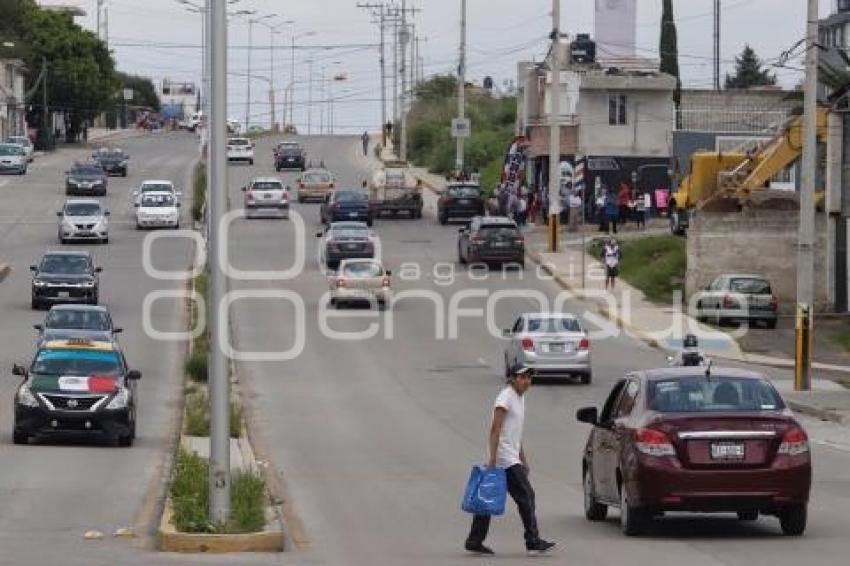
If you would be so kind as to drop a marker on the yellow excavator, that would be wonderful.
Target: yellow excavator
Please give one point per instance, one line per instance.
(729, 181)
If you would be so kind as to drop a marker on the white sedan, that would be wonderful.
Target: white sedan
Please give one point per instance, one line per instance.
(158, 210)
(156, 186)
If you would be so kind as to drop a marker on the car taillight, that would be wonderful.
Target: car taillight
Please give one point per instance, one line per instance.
(249, 196)
(730, 303)
(794, 442)
(774, 304)
(653, 443)
(448, 200)
(528, 344)
(519, 240)
(584, 344)
(340, 283)
(386, 282)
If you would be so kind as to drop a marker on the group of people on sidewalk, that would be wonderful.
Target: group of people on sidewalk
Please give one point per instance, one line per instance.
(626, 204)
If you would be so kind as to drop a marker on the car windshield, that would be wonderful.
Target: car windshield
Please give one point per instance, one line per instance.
(76, 362)
(750, 286)
(65, 264)
(350, 196)
(498, 232)
(157, 200)
(363, 269)
(267, 186)
(317, 178)
(702, 395)
(10, 149)
(464, 191)
(82, 209)
(238, 142)
(87, 171)
(553, 325)
(77, 320)
(149, 187)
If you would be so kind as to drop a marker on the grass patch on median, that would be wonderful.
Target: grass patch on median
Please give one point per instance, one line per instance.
(196, 365)
(656, 264)
(190, 498)
(842, 339)
(199, 190)
(197, 417)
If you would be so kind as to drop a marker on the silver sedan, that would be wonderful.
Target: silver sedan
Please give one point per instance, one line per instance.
(551, 344)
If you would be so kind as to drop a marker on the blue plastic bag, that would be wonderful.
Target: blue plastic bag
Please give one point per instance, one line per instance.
(486, 491)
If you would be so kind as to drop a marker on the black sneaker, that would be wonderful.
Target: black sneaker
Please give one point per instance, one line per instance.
(540, 546)
(478, 548)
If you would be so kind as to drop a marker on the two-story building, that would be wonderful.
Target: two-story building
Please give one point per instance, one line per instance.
(616, 123)
(12, 109)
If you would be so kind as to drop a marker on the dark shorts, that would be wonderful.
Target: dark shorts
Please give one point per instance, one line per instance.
(613, 271)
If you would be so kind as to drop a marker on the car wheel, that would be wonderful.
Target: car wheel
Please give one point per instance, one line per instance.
(382, 305)
(20, 437)
(593, 510)
(250, 161)
(124, 173)
(300, 199)
(62, 240)
(369, 222)
(586, 378)
(125, 441)
(770, 323)
(443, 219)
(460, 259)
(792, 519)
(35, 304)
(748, 515)
(632, 519)
(105, 240)
(95, 299)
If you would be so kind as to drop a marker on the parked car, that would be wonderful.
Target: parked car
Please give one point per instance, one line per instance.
(158, 210)
(266, 196)
(13, 158)
(695, 440)
(289, 155)
(345, 240)
(77, 387)
(85, 179)
(551, 344)
(73, 322)
(491, 239)
(240, 149)
(113, 161)
(360, 280)
(83, 219)
(65, 277)
(156, 186)
(26, 143)
(737, 298)
(346, 205)
(315, 184)
(460, 200)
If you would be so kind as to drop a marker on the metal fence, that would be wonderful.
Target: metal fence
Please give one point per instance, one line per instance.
(731, 120)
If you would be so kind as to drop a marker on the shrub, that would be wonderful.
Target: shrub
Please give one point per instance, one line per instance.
(199, 190)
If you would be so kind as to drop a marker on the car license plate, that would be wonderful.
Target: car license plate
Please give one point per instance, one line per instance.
(350, 246)
(352, 215)
(727, 451)
(556, 347)
(63, 294)
(501, 244)
(464, 201)
(267, 196)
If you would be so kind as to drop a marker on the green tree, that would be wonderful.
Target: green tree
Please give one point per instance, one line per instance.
(144, 91)
(749, 72)
(669, 49)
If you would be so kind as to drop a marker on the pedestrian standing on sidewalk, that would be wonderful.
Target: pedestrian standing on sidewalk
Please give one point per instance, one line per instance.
(506, 451)
(611, 257)
(533, 206)
(575, 205)
(640, 211)
(612, 212)
(601, 199)
(365, 139)
(522, 211)
(624, 196)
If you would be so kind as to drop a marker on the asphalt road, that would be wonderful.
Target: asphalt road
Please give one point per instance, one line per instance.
(373, 437)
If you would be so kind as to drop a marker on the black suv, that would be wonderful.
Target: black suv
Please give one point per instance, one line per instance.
(289, 155)
(112, 161)
(77, 387)
(65, 277)
(491, 239)
(460, 200)
(85, 179)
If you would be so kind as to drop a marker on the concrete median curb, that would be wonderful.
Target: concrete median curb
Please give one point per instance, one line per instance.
(816, 412)
(5, 269)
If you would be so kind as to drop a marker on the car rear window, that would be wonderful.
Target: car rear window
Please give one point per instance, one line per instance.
(266, 186)
(363, 269)
(350, 196)
(157, 200)
(704, 395)
(78, 320)
(238, 142)
(82, 209)
(553, 325)
(317, 178)
(750, 286)
(87, 171)
(77, 363)
(150, 187)
(463, 191)
(498, 232)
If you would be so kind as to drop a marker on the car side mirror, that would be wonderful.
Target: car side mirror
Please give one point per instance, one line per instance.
(134, 375)
(19, 370)
(117, 330)
(461, 230)
(388, 273)
(176, 205)
(244, 189)
(98, 269)
(318, 234)
(107, 213)
(507, 333)
(58, 214)
(135, 205)
(589, 415)
(33, 268)
(39, 327)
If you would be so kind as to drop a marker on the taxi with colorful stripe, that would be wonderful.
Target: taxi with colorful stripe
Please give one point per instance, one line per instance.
(77, 386)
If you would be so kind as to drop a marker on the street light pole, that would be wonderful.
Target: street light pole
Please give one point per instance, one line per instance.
(309, 97)
(555, 128)
(248, 78)
(461, 81)
(219, 479)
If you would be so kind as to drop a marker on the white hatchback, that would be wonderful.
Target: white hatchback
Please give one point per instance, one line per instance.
(26, 143)
(158, 210)
(240, 149)
(156, 186)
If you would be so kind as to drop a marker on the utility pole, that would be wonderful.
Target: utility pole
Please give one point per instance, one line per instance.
(271, 77)
(461, 83)
(555, 128)
(99, 10)
(381, 15)
(248, 77)
(292, 79)
(806, 236)
(219, 480)
(405, 36)
(106, 26)
(310, 97)
(322, 102)
(395, 70)
(45, 118)
(716, 44)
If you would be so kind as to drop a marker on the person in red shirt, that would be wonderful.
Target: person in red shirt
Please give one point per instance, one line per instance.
(624, 197)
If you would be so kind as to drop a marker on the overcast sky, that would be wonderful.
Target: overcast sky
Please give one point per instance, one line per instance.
(159, 38)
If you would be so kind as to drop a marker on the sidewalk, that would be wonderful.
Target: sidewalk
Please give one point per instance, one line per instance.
(661, 327)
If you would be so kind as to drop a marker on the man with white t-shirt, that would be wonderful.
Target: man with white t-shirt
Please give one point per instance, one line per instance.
(505, 451)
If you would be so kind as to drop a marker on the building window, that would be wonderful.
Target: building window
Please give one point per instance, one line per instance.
(617, 109)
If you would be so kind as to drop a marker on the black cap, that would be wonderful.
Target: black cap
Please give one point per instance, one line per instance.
(517, 370)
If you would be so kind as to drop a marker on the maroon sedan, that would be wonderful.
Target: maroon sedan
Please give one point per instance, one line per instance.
(691, 439)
